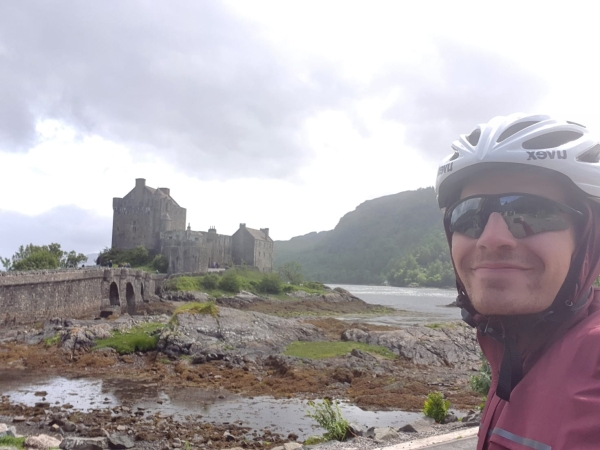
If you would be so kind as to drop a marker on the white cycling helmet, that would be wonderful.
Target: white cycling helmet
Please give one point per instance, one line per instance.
(527, 140)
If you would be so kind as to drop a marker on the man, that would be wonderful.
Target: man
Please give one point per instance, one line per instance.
(522, 217)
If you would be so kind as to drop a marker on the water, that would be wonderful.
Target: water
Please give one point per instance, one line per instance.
(280, 416)
(418, 305)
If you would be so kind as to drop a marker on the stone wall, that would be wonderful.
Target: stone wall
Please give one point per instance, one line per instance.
(29, 297)
(186, 251)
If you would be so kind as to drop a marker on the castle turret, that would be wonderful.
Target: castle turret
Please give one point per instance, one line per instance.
(140, 182)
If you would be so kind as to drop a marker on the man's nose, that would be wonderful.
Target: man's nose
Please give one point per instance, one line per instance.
(496, 234)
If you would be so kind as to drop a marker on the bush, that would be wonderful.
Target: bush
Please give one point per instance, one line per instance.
(270, 283)
(329, 417)
(160, 263)
(230, 282)
(436, 407)
(210, 281)
(481, 382)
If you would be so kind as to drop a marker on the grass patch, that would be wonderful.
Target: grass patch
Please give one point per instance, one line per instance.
(52, 341)
(323, 350)
(183, 284)
(139, 339)
(208, 308)
(9, 441)
(313, 440)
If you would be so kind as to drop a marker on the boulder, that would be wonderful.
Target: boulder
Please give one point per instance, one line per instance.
(43, 442)
(119, 441)
(454, 345)
(81, 443)
(382, 434)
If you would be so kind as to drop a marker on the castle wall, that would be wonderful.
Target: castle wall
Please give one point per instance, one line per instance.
(219, 246)
(263, 255)
(29, 297)
(243, 248)
(186, 251)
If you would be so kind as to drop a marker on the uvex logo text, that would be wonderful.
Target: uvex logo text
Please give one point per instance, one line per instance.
(445, 168)
(543, 154)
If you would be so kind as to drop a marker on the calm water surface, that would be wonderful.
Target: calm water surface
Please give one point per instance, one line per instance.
(418, 305)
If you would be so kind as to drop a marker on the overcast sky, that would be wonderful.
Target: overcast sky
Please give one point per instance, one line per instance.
(279, 114)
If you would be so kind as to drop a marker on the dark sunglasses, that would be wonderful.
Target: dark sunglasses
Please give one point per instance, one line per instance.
(525, 214)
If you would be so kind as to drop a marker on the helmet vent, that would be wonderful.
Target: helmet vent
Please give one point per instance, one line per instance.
(514, 129)
(590, 156)
(473, 138)
(575, 123)
(551, 140)
(454, 156)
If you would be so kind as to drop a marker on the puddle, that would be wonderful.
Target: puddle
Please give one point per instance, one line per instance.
(282, 416)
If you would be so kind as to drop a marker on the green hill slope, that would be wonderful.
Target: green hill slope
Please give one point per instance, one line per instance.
(368, 242)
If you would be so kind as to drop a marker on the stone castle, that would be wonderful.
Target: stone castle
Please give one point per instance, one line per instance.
(152, 218)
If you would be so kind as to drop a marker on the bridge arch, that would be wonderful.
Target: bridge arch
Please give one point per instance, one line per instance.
(130, 296)
(114, 294)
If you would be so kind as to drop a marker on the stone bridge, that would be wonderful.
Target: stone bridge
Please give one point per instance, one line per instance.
(29, 297)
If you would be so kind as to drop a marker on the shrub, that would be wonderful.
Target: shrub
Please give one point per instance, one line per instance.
(182, 284)
(270, 283)
(481, 382)
(329, 417)
(230, 282)
(160, 263)
(436, 407)
(210, 281)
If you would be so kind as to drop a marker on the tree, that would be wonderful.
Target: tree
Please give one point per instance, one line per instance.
(40, 257)
(292, 272)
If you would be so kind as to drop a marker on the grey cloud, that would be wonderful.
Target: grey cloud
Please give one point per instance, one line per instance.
(184, 79)
(71, 227)
(471, 87)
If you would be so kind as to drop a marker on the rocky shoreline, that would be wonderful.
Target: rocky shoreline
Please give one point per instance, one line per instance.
(240, 351)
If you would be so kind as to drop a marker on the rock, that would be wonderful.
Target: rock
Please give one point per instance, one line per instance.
(80, 443)
(452, 345)
(40, 394)
(291, 446)
(121, 428)
(69, 426)
(356, 429)
(5, 430)
(423, 425)
(247, 332)
(292, 436)
(382, 434)
(43, 441)
(228, 436)
(450, 418)
(118, 441)
(19, 419)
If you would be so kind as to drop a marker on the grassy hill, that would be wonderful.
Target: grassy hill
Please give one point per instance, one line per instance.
(368, 242)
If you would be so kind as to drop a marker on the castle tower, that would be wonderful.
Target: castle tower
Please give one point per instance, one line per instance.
(138, 217)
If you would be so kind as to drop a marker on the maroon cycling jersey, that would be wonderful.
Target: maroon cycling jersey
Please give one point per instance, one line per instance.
(557, 403)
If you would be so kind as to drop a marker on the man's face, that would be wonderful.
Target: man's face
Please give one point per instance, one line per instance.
(504, 275)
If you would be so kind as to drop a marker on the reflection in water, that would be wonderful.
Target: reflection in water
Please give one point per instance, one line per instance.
(282, 416)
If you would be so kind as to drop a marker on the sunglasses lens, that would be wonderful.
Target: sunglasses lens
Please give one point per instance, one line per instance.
(525, 215)
(465, 217)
